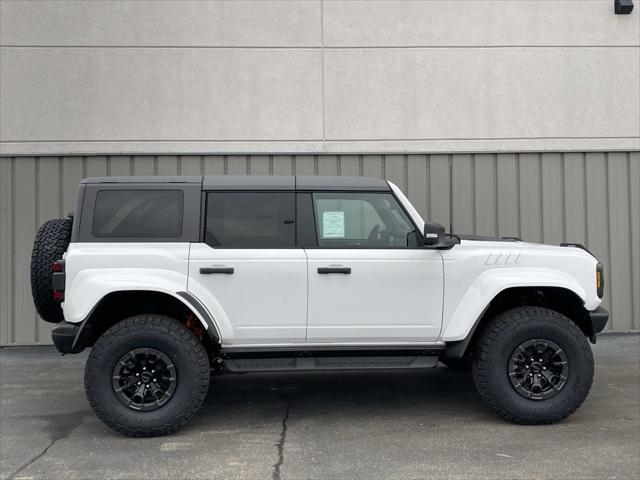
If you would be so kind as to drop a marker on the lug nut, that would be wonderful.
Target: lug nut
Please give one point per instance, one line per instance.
(527, 366)
(137, 374)
(539, 375)
(544, 368)
(139, 383)
(144, 368)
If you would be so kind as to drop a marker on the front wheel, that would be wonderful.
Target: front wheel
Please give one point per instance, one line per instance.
(533, 365)
(147, 376)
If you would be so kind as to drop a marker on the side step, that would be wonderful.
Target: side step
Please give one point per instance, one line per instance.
(244, 362)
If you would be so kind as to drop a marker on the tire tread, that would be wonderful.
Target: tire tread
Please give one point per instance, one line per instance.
(482, 369)
(50, 243)
(188, 344)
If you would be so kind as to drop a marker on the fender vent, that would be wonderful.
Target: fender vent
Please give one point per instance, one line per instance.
(503, 258)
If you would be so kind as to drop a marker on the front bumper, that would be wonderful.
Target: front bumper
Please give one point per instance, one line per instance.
(599, 318)
(64, 337)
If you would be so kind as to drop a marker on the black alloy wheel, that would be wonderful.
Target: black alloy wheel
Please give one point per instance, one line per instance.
(144, 379)
(538, 369)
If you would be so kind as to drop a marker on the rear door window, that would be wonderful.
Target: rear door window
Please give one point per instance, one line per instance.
(138, 214)
(250, 220)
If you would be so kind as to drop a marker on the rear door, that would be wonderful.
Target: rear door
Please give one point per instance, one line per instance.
(370, 279)
(248, 271)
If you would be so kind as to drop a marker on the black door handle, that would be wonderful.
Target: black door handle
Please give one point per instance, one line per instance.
(326, 270)
(209, 270)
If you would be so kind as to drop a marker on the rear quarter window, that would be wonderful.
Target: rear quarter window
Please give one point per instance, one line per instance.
(138, 214)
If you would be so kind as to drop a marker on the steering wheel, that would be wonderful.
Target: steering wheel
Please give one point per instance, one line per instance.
(385, 237)
(373, 234)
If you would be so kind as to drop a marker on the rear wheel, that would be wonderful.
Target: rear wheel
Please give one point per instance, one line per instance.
(533, 365)
(147, 376)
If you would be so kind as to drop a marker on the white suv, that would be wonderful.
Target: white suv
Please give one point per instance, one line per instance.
(170, 279)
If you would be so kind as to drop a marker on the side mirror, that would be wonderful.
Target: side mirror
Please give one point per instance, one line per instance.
(433, 233)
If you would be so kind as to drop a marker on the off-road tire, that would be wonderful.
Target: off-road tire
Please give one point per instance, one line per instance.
(457, 364)
(50, 243)
(491, 364)
(171, 338)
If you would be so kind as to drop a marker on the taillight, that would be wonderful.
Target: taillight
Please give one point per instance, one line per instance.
(58, 280)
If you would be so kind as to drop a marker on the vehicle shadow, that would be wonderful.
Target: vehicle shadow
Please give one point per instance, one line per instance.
(258, 397)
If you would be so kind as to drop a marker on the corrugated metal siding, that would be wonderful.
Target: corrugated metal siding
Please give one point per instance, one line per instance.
(592, 198)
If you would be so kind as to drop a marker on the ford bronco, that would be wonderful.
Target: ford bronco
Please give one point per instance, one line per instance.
(172, 279)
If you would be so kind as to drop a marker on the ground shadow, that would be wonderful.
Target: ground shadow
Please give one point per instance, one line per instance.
(356, 394)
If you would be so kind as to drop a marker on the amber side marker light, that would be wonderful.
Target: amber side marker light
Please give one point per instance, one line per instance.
(599, 280)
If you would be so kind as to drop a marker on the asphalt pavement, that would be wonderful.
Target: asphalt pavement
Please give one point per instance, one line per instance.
(369, 426)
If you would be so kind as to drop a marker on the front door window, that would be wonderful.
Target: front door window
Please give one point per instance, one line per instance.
(362, 220)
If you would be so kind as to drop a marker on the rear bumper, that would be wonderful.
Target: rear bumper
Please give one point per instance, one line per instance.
(599, 318)
(64, 336)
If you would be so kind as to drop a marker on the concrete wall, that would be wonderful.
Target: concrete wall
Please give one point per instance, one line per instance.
(592, 198)
(318, 76)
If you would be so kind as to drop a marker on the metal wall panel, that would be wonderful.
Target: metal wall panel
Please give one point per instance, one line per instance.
(591, 198)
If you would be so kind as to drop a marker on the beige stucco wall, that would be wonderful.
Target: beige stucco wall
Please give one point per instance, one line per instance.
(318, 76)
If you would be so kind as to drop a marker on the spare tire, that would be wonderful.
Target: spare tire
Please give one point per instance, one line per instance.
(50, 243)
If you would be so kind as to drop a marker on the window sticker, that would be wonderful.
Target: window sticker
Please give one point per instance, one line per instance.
(332, 224)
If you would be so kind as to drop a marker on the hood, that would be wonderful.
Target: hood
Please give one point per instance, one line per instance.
(515, 241)
(486, 238)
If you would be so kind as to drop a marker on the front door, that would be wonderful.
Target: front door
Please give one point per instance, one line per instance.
(248, 272)
(370, 280)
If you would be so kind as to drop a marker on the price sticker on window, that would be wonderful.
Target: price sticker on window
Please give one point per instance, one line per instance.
(333, 225)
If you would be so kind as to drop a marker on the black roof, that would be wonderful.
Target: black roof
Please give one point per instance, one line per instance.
(260, 182)
(146, 179)
(248, 182)
(309, 182)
